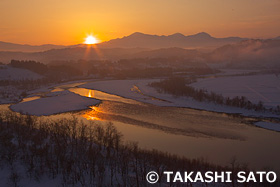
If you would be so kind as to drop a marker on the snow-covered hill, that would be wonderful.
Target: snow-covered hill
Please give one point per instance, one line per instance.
(10, 73)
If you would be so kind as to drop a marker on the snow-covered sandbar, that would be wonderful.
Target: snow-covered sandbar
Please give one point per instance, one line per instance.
(269, 125)
(56, 102)
(140, 91)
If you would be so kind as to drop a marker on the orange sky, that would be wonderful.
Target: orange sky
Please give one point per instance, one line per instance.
(69, 21)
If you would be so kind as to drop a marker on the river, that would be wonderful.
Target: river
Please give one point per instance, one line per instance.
(215, 137)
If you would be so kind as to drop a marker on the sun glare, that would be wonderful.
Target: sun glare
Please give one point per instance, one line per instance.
(91, 40)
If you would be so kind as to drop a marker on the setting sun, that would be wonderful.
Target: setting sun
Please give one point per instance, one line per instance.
(91, 40)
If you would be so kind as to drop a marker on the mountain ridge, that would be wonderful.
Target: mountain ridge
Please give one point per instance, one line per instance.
(142, 40)
(138, 40)
(8, 46)
(254, 53)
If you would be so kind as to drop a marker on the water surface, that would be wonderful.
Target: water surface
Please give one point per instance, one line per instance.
(215, 137)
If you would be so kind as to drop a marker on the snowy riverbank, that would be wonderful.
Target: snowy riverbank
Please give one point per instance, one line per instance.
(140, 91)
(54, 103)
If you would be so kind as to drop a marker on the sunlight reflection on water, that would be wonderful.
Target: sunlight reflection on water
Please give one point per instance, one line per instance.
(30, 99)
(92, 114)
(101, 95)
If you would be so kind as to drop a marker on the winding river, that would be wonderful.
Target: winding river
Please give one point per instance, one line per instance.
(215, 137)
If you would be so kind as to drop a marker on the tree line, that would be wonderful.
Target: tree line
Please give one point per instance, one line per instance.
(81, 154)
(57, 72)
(178, 86)
(121, 69)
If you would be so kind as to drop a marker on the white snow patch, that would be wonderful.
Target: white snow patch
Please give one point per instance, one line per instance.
(149, 94)
(119, 87)
(10, 73)
(268, 125)
(57, 103)
(23, 178)
(265, 88)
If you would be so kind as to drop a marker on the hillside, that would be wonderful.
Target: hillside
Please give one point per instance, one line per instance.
(253, 53)
(6, 46)
(10, 73)
(69, 54)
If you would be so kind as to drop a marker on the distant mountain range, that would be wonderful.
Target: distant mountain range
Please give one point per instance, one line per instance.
(249, 53)
(137, 40)
(5, 46)
(231, 52)
(141, 40)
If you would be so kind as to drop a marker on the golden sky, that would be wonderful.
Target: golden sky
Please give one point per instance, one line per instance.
(70, 21)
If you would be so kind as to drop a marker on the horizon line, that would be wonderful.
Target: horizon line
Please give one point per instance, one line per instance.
(65, 45)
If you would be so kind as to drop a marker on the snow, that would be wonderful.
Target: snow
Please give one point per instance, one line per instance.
(56, 102)
(268, 125)
(119, 87)
(10, 73)
(265, 88)
(236, 71)
(24, 179)
(147, 94)
(12, 93)
(9, 94)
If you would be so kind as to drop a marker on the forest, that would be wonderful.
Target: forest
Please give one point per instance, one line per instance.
(121, 69)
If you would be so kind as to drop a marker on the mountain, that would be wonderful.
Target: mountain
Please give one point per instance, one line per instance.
(167, 53)
(200, 40)
(231, 51)
(142, 40)
(245, 54)
(5, 46)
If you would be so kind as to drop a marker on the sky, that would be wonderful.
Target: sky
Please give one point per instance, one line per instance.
(67, 22)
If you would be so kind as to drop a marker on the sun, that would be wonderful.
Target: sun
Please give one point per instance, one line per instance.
(91, 40)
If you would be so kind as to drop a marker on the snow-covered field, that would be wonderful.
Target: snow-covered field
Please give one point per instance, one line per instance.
(58, 101)
(10, 73)
(55, 102)
(265, 88)
(140, 91)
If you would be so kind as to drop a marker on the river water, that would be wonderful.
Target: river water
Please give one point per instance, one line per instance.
(215, 137)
